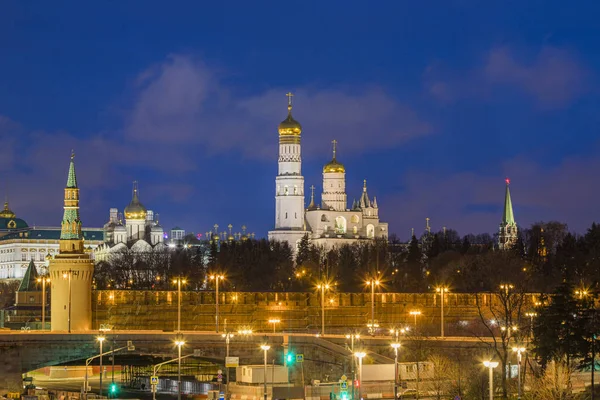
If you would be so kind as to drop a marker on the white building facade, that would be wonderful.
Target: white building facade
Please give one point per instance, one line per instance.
(140, 232)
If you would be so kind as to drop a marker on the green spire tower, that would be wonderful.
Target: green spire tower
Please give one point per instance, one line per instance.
(508, 227)
(71, 238)
(71, 270)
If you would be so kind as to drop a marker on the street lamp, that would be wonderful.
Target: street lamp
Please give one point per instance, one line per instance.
(265, 348)
(323, 287)
(373, 283)
(274, 321)
(179, 282)
(179, 342)
(101, 340)
(519, 351)
(415, 313)
(506, 287)
(68, 275)
(531, 316)
(395, 346)
(360, 355)
(352, 337)
(227, 336)
(217, 278)
(441, 290)
(43, 280)
(490, 366)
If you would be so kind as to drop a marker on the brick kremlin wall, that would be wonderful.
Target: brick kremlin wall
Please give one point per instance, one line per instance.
(298, 312)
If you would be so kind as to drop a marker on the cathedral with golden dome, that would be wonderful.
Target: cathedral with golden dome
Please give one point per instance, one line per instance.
(140, 231)
(330, 223)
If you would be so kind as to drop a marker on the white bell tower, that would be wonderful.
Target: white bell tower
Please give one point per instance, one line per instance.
(289, 183)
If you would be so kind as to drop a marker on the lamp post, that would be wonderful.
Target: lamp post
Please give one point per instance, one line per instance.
(531, 316)
(67, 275)
(101, 340)
(43, 280)
(519, 351)
(360, 355)
(323, 287)
(265, 348)
(490, 366)
(441, 290)
(352, 337)
(396, 346)
(274, 321)
(227, 337)
(415, 313)
(373, 283)
(179, 342)
(216, 278)
(179, 282)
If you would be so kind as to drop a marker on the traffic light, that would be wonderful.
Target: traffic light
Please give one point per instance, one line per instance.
(113, 389)
(290, 358)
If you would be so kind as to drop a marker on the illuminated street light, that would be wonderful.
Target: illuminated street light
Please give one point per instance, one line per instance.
(100, 339)
(265, 348)
(519, 351)
(490, 365)
(395, 346)
(179, 342)
(179, 282)
(441, 290)
(352, 337)
(217, 278)
(415, 313)
(227, 337)
(360, 355)
(373, 283)
(274, 321)
(322, 287)
(43, 280)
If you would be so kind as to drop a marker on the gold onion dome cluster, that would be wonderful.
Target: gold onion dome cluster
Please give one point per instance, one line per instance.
(289, 126)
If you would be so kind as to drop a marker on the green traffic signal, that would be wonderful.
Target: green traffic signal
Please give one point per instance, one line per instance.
(113, 388)
(290, 358)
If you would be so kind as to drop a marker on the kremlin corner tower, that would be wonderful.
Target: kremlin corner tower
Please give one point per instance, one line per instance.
(71, 270)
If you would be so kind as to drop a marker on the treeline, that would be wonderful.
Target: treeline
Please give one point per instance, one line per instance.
(544, 256)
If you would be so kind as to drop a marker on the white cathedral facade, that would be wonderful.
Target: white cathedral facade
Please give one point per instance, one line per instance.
(141, 231)
(331, 223)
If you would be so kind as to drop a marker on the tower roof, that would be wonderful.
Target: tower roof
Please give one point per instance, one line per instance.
(135, 209)
(72, 178)
(289, 126)
(334, 166)
(508, 216)
(29, 282)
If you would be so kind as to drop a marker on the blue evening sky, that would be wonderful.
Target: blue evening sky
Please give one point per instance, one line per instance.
(433, 102)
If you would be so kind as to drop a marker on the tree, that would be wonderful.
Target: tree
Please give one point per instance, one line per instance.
(500, 313)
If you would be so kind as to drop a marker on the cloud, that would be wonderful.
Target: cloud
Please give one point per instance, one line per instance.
(182, 101)
(472, 202)
(553, 78)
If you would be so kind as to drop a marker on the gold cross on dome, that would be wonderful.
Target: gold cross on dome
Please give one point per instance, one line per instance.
(334, 146)
(289, 96)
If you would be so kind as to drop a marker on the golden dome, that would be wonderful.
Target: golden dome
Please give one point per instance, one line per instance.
(135, 209)
(289, 126)
(334, 166)
(7, 213)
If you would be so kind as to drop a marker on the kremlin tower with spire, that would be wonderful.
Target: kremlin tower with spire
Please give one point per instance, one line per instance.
(72, 269)
(508, 227)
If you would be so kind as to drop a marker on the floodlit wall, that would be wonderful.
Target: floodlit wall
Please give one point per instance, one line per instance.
(298, 312)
